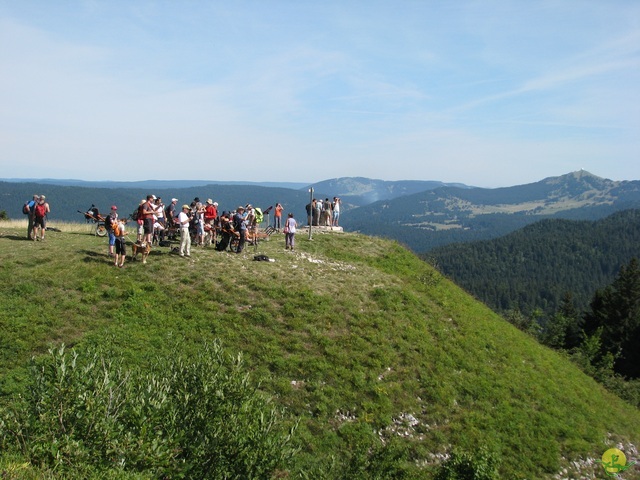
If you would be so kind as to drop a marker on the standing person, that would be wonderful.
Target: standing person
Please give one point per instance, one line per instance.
(310, 211)
(170, 212)
(317, 210)
(240, 226)
(185, 237)
(110, 223)
(210, 220)
(327, 214)
(290, 225)
(120, 243)
(148, 212)
(250, 222)
(336, 211)
(31, 206)
(41, 210)
(198, 223)
(160, 220)
(277, 217)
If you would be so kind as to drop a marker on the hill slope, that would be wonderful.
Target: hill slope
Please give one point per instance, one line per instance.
(347, 330)
(533, 267)
(447, 215)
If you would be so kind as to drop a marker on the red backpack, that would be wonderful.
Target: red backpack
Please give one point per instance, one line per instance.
(41, 210)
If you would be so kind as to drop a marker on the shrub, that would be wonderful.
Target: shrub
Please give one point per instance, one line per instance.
(465, 466)
(192, 414)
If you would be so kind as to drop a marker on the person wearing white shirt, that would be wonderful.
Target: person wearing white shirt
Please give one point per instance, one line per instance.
(185, 236)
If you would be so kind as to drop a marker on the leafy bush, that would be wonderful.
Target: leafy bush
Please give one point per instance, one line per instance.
(192, 414)
(465, 466)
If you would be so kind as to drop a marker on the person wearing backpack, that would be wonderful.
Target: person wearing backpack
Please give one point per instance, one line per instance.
(29, 209)
(120, 244)
(110, 223)
(40, 211)
(240, 226)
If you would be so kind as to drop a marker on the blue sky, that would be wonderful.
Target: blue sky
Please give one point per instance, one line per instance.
(487, 93)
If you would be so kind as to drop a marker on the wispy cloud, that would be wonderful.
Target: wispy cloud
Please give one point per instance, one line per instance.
(453, 91)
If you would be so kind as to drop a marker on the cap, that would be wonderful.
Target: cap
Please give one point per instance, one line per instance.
(185, 206)
(174, 199)
(215, 204)
(240, 208)
(209, 201)
(113, 207)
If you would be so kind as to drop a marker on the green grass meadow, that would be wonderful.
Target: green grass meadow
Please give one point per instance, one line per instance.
(348, 333)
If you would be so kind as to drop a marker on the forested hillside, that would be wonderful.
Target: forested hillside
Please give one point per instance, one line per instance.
(532, 268)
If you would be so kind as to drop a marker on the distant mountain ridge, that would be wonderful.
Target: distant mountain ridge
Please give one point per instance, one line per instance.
(446, 215)
(148, 184)
(363, 191)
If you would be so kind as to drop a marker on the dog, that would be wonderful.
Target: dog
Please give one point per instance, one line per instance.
(144, 250)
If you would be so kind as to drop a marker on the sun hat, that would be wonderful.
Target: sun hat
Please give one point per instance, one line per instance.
(209, 201)
(174, 199)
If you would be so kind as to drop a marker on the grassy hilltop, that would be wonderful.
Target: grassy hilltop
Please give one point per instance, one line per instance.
(354, 336)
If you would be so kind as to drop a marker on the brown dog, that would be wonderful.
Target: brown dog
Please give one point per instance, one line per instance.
(138, 248)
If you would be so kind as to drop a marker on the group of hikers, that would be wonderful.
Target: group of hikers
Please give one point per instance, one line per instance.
(198, 223)
(324, 213)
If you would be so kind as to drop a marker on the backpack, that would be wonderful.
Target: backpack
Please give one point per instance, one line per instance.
(25, 208)
(41, 210)
(117, 230)
(259, 215)
(108, 222)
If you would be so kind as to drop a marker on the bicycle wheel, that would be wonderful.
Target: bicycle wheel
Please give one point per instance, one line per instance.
(101, 230)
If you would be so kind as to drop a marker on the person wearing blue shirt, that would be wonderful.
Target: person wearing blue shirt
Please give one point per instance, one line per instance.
(240, 226)
(32, 208)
